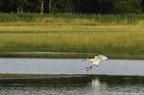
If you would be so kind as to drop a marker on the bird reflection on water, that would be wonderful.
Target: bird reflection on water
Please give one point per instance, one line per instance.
(95, 83)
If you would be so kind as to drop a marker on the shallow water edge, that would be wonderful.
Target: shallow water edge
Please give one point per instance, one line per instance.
(67, 55)
(86, 85)
(49, 76)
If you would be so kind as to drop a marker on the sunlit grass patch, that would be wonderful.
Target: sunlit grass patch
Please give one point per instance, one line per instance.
(97, 39)
(101, 34)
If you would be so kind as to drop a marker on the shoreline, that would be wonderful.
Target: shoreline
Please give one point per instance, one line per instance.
(67, 55)
(51, 76)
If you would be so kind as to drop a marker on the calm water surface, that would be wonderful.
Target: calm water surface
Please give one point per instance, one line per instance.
(100, 85)
(132, 83)
(70, 66)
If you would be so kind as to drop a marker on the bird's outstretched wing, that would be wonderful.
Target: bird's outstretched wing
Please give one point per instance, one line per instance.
(103, 57)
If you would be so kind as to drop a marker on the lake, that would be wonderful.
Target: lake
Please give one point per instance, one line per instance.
(98, 85)
(70, 66)
(112, 77)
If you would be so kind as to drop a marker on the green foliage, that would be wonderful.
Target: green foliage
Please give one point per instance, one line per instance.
(64, 6)
(73, 6)
(17, 17)
(127, 6)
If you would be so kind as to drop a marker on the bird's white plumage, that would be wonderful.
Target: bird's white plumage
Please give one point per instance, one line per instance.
(95, 57)
(103, 57)
(96, 60)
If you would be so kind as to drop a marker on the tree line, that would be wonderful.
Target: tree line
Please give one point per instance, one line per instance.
(72, 6)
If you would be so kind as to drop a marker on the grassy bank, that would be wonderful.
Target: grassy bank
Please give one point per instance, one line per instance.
(101, 34)
(69, 38)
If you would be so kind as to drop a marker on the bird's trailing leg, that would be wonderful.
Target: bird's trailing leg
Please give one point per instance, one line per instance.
(88, 68)
(96, 65)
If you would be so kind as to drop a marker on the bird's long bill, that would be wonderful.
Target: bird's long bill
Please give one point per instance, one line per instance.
(83, 60)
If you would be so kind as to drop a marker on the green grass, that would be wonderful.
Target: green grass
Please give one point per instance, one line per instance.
(101, 34)
(86, 39)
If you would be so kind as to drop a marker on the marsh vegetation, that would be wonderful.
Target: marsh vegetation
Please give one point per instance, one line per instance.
(74, 33)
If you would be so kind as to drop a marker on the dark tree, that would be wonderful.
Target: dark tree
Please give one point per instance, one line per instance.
(19, 4)
(73, 6)
(127, 6)
(41, 6)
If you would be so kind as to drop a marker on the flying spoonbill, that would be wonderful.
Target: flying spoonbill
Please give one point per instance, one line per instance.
(95, 61)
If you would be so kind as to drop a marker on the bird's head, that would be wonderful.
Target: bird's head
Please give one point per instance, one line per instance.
(95, 57)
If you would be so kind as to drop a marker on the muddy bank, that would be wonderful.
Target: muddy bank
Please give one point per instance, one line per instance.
(49, 76)
(67, 55)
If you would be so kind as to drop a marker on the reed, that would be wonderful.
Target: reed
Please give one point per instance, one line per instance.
(91, 19)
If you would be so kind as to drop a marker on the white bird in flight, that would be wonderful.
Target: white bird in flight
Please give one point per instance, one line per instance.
(96, 61)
